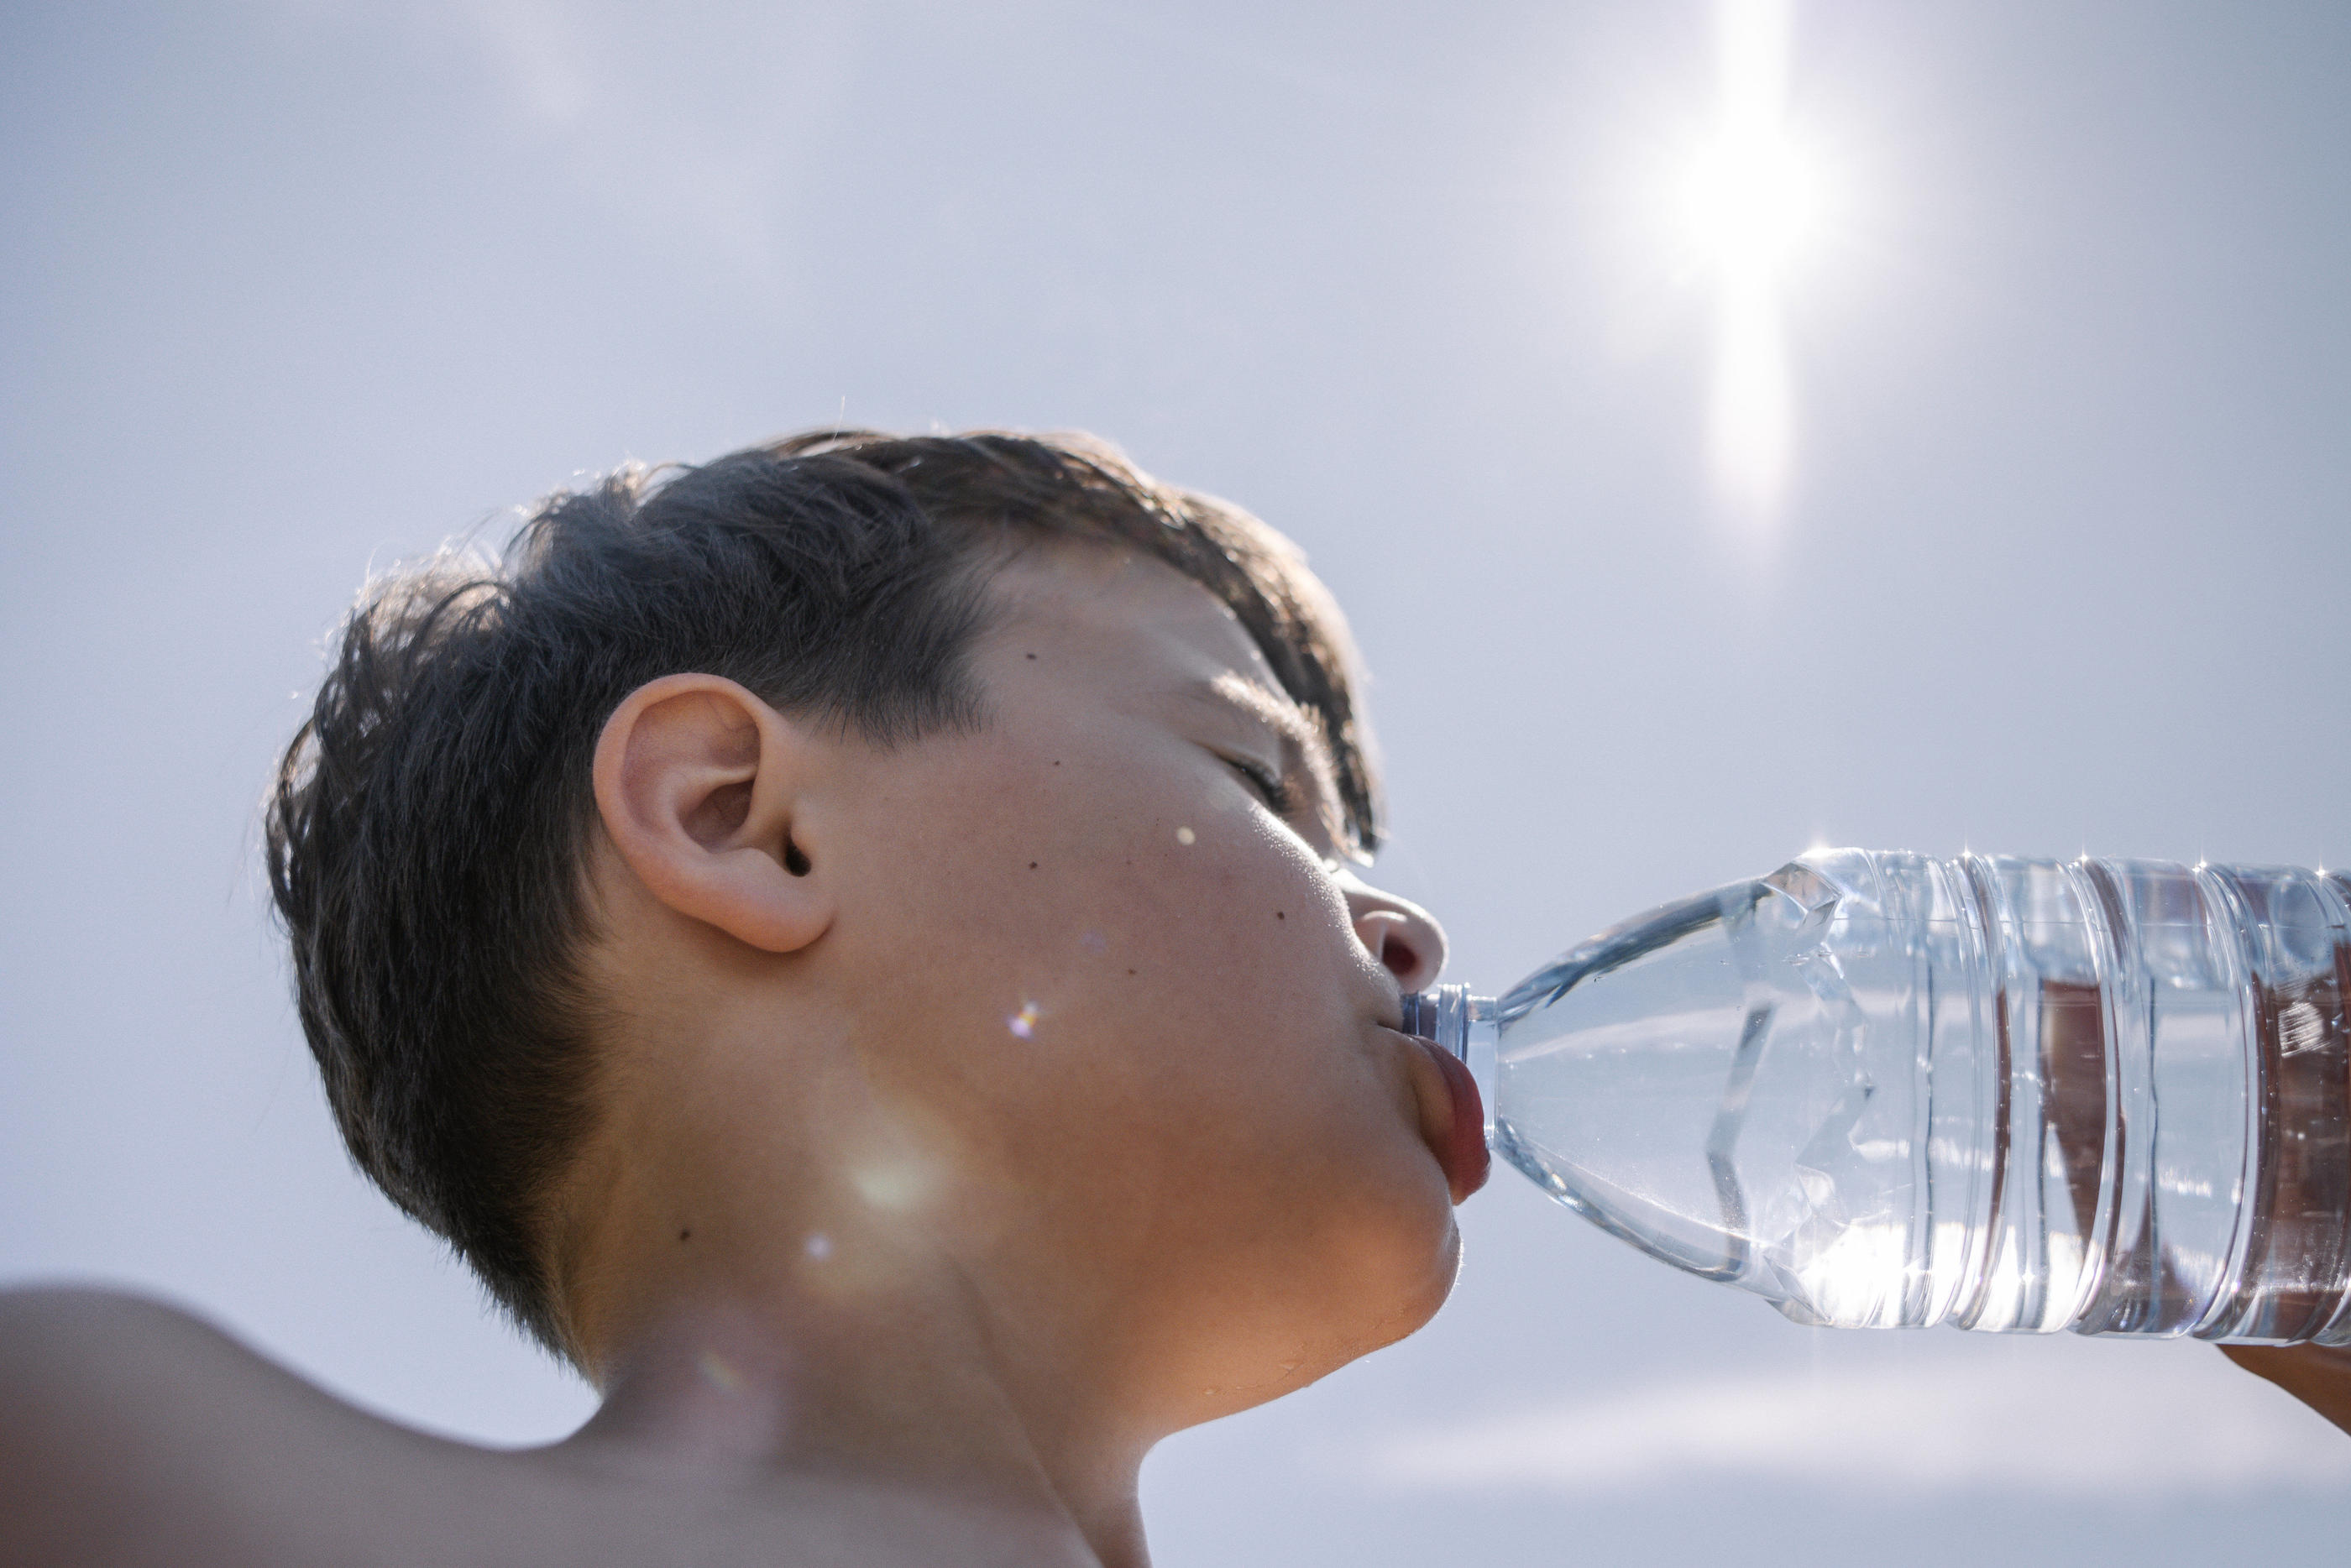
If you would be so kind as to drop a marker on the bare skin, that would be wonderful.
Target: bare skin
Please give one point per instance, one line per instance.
(2317, 1376)
(136, 1435)
(974, 1115)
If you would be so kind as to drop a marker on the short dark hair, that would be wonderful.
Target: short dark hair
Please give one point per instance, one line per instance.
(424, 838)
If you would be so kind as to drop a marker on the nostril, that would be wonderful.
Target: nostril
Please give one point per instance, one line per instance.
(1407, 945)
(1401, 960)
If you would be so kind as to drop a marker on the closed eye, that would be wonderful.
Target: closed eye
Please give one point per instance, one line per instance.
(1273, 786)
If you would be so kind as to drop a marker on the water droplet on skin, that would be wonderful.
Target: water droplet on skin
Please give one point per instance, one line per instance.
(818, 1246)
(1185, 836)
(1023, 1024)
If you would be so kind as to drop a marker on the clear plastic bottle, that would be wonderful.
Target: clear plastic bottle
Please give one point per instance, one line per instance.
(1885, 1090)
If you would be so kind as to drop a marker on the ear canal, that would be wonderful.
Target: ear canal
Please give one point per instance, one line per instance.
(795, 862)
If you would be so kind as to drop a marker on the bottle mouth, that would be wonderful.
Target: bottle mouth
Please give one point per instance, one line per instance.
(1464, 1027)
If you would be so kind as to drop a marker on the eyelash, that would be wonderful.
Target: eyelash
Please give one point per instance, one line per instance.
(1272, 786)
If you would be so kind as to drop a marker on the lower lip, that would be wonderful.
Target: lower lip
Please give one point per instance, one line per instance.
(1464, 1155)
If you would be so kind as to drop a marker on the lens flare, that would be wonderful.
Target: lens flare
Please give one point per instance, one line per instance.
(1751, 203)
(717, 1372)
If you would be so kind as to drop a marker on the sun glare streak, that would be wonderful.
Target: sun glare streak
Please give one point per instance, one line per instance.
(1750, 203)
(1751, 416)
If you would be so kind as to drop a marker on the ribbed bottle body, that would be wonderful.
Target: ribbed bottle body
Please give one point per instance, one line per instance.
(1881, 1089)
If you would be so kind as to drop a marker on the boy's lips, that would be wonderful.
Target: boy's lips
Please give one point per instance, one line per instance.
(1458, 1139)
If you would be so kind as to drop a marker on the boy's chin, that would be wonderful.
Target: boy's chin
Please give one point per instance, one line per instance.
(1398, 1275)
(1394, 1288)
(1430, 1286)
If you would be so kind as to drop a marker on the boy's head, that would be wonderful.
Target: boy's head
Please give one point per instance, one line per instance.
(857, 837)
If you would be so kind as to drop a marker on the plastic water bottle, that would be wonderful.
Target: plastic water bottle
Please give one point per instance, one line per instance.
(1885, 1090)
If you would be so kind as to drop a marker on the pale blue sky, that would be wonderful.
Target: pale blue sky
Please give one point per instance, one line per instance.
(290, 286)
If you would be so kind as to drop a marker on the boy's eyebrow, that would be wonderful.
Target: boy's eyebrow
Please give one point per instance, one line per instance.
(1303, 746)
(1274, 709)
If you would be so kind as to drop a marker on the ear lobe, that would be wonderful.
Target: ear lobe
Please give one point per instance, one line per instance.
(698, 783)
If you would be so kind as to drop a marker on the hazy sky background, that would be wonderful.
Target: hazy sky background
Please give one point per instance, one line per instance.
(291, 286)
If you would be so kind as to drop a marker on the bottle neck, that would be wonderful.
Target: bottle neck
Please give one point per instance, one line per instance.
(1463, 1024)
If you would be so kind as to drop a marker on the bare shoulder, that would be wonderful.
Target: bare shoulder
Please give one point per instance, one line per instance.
(86, 1371)
(75, 1361)
(66, 1334)
(133, 1432)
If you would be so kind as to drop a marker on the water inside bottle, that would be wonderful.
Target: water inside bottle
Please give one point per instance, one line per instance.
(1703, 1083)
(1885, 1090)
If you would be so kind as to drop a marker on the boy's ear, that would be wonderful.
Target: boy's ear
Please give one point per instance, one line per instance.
(699, 783)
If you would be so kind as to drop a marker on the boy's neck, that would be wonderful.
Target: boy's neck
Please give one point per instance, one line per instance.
(902, 1391)
(774, 1277)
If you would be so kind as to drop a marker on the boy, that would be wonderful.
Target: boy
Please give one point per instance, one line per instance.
(857, 944)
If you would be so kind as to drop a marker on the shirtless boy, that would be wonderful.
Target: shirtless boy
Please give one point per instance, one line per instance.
(860, 946)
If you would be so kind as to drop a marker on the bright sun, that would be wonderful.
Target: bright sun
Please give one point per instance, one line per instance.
(1751, 200)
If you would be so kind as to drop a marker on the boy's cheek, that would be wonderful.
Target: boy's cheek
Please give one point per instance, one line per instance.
(1095, 995)
(1049, 901)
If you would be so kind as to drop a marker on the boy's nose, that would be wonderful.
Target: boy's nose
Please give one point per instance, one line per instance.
(1403, 936)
